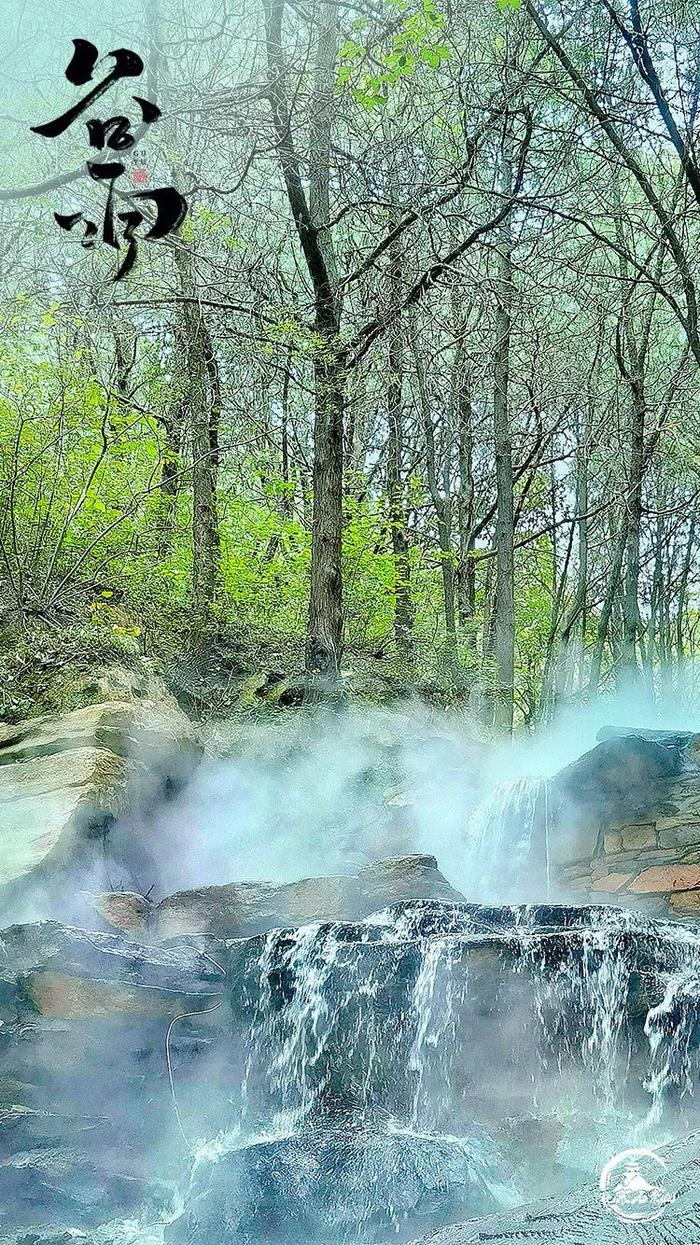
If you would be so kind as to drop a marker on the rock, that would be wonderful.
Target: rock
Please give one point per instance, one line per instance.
(223, 911)
(617, 783)
(24, 1128)
(72, 998)
(686, 903)
(450, 1020)
(125, 910)
(644, 844)
(44, 1234)
(451, 1008)
(529, 1143)
(124, 728)
(403, 879)
(634, 837)
(611, 882)
(661, 879)
(579, 1218)
(64, 1184)
(116, 1232)
(117, 681)
(399, 878)
(63, 781)
(59, 971)
(692, 748)
(324, 1185)
(601, 868)
(247, 908)
(84, 1078)
(671, 739)
(47, 810)
(679, 833)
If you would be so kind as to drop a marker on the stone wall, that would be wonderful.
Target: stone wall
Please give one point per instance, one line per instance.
(633, 804)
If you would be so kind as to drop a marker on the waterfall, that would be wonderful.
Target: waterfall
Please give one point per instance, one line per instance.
(378, 1059)
(434, 1003)
(671, 1028)
(294, 1038)
(590, 985)
(508, 841)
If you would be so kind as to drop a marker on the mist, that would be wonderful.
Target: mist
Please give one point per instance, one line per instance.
(317, 793)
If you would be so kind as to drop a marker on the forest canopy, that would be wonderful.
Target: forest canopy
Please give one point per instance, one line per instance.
(416, 381)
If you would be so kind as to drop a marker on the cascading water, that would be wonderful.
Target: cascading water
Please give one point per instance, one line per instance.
(673, 1028)
(508, 841)
(384, 1064)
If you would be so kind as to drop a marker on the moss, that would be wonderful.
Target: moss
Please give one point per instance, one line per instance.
(51, 669)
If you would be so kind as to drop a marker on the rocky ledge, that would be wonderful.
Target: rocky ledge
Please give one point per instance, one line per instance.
(245, 908)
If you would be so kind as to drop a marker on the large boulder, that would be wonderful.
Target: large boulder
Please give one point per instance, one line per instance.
(465, 1013)
(354, 1071)
(85, 1096)
(48, 808)
(49, 969)
(128, 1231)
(64, 1185)
(126, 728)
(65, 779)
(620, 781)
(246, 908)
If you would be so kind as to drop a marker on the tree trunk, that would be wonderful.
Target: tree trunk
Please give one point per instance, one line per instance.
(632, 620)
(683, 590)
(403, 608)
(441, 504)
(325, 623)
(466, 583)
(203, 401)
(503, 632)
(576, 616)
(462, 401)
(606, 611)
(324, 637)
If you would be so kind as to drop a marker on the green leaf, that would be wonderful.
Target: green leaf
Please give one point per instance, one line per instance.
(508, 4)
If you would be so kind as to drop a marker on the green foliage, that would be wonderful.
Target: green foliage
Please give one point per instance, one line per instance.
(265, 562)
(90, 539)
(75, 467)
(418, 41)
(369, 573)
(46, 669)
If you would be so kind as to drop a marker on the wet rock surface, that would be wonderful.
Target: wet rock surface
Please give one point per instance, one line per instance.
(341, 1185)
(243, 909)
(354, 1082)
(343, 1060)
